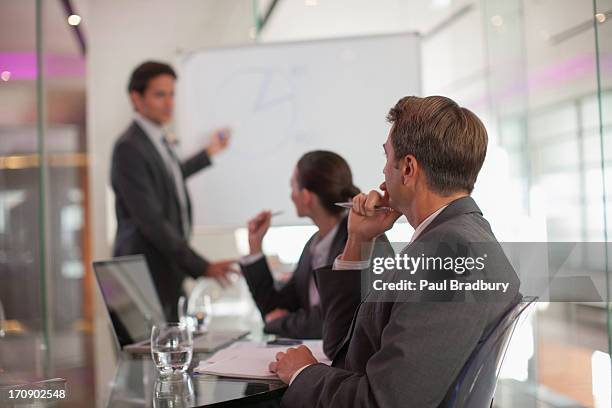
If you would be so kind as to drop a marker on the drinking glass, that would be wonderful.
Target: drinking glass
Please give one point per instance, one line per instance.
(196, 312)
(171, 348)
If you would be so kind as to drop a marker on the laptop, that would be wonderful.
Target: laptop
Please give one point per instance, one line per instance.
(134, 307)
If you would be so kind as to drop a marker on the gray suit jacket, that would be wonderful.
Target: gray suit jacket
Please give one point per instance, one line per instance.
(400, 352)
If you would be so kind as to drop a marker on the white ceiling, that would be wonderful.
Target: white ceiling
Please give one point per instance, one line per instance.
(295, 19)
(18, 28)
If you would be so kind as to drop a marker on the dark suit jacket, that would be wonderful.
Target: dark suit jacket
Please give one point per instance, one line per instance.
(149, 216)
(398, 352)
(304, 322)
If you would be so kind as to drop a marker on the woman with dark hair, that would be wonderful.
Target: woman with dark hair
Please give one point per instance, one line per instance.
(320, 179)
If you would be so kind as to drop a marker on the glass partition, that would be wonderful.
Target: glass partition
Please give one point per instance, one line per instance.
(546, 92)
(602, 367)
(45, 329)
(23, 347)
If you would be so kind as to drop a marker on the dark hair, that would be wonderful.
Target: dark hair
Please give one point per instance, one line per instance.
(327, 175)
(139, 80)
(449, 141)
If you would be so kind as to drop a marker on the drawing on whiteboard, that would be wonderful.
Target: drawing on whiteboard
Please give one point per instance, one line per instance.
(283, 100)
(260, 104)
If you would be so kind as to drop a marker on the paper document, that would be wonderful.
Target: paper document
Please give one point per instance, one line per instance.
(249, 359)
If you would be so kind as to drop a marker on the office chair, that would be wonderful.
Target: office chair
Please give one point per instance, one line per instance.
(476, 383)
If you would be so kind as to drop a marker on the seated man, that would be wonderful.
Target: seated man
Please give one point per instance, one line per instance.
(406, 348)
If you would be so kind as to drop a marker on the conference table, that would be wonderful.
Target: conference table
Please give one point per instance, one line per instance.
(137, 383)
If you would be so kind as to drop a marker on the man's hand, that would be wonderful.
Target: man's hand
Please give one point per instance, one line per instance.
(258, 227)
(218, 141)
(221, 271)
(365, 222)
(289, 362)
(275, 314)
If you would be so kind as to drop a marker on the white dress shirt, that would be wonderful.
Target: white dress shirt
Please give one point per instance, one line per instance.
(340, 264)
(157, 136)
(319, 253)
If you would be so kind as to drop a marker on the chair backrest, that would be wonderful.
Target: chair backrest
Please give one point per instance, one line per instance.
(476, 383)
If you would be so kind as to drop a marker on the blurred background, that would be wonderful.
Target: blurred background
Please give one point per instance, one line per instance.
(538, 72)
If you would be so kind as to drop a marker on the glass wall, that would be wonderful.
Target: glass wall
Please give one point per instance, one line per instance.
(603, 25)
(44, 284)
(22, 276)
(603, 40)
(547, 89)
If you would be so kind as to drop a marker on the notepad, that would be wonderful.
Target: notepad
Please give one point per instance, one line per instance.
(249, 359)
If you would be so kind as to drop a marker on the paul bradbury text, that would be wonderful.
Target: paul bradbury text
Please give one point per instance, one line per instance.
(439, 286)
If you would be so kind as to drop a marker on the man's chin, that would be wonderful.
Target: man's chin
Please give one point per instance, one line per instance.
(394, 206)
(157, 121)
(390, 202)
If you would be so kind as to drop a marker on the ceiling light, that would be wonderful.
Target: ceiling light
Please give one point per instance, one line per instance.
(5, 76)
(497, 21)
(601, 17)
(440, 3)
(74, 19)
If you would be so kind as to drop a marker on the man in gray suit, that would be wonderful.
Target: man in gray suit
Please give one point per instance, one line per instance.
(406, 348)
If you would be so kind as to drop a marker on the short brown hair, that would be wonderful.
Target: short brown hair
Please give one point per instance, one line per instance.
(327, 175)
(142, 74)
(449, 141)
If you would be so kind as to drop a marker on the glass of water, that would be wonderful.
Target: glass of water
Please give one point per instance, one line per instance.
(171, 348)
(195, 312)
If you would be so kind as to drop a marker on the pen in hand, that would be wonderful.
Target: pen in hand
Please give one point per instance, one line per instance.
(378, 208)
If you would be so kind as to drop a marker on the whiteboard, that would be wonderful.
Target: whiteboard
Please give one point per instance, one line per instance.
(282, 100)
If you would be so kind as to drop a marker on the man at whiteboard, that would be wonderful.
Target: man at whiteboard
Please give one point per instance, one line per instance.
(151, 199)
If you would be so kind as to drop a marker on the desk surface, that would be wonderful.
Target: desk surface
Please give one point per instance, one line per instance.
(137, 384)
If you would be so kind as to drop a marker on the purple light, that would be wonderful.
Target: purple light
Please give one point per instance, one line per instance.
(22, 65)
(555, 75)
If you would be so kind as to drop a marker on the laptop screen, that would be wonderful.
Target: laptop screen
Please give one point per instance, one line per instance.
(130, 297)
